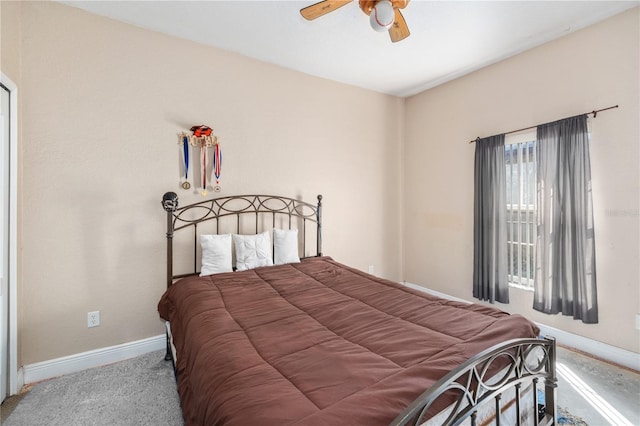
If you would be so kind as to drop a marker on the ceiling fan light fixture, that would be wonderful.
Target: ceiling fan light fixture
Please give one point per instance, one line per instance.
(382, 16)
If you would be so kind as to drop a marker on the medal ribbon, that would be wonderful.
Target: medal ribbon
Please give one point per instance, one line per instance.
(203, 154)
(217, 162)
(185, 146)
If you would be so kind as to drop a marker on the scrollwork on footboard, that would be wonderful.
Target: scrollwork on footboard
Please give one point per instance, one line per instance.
(476, 382)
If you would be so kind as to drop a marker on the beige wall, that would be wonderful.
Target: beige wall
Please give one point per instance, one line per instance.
(10, 39)
(593, 68)
(102, 105)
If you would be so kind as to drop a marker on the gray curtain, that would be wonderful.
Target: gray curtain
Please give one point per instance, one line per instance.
(490, 221)
(565, 278)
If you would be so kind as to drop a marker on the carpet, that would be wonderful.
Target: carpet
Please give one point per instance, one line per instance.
(139, 391)
(563, 417)
(9, 404)
(566, 418)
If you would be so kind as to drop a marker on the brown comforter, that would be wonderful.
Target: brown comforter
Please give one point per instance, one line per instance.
(317, 343)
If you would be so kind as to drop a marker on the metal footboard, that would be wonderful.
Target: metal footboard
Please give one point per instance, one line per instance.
(476, 383)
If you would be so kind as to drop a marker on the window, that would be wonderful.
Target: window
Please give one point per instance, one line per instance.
(520, 158)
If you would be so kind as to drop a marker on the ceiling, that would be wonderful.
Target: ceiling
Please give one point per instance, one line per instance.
(448, 38)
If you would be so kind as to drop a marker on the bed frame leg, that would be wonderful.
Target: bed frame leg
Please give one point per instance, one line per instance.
(551, 384)
(168, 356)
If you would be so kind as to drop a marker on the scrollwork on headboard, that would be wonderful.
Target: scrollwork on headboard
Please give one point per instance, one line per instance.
(179, 218)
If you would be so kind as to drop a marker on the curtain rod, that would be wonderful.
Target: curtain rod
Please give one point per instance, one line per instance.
(594, 112)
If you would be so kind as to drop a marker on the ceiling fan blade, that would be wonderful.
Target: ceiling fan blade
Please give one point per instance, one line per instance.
(322, 8)
(399, 30)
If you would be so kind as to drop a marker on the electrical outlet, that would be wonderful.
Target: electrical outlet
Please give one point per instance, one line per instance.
(371, 269)
(93, 319)
(637, 321)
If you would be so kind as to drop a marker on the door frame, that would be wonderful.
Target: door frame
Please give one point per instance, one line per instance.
(14, 385)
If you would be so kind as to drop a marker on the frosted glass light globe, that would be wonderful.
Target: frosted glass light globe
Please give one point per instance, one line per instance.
(382, 16)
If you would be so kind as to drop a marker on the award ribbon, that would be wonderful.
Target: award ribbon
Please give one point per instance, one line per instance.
(203, 155)
(185, 147)
(217, 165)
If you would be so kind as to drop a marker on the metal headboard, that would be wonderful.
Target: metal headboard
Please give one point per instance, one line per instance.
(179, 218)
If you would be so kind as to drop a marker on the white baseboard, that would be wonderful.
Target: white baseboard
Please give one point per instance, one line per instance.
(600, 350)
(19, 382)
(73, 363)
(434, 293)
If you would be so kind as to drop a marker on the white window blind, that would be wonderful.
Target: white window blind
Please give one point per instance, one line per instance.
(520, 154)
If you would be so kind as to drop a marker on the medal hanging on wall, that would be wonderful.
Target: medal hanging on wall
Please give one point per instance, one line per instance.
(217, 165)
(185, 155)
(203, 137)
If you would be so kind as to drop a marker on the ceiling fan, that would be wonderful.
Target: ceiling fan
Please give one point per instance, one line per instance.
(383, 14)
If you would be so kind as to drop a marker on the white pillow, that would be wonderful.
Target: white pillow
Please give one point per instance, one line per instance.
(252, 251)
(216, 254)
(285, 246)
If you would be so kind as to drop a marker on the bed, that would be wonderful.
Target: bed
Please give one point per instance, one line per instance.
(307, 340)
